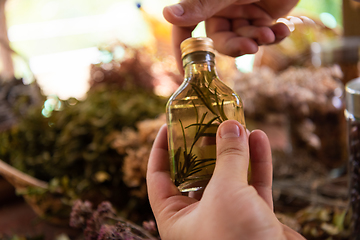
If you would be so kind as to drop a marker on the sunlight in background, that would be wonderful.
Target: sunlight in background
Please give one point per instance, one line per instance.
(66, 73)
(59, 38)
(60, 51)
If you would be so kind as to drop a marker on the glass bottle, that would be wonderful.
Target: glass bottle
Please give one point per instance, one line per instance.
(194, 113)
(352, 114)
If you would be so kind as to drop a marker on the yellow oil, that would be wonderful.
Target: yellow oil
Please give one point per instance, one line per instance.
(192, 126)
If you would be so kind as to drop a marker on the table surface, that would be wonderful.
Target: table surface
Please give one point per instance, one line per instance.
(18, 218)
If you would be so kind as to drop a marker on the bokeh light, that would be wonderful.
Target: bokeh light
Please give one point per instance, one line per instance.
(328, 20)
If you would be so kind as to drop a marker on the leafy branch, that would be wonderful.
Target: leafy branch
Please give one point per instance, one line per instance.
(191, 164)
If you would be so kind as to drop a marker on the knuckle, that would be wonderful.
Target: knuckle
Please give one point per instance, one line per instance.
(230, 151)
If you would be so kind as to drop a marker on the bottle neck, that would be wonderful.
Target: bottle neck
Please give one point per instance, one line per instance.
(201, 64)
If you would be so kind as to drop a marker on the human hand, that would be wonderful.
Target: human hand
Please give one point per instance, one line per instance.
(237, 27)
(229, 208)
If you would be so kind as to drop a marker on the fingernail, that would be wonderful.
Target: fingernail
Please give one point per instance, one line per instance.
(229, 130)
(176, 9)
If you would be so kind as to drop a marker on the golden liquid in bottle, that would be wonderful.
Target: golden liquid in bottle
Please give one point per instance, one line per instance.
(193, 129)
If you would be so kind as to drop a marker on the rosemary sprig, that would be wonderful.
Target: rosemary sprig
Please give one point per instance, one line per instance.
(196, 114)
(183, 132)
(205, 99)
(191, 164)
(202, 130)
(220, 107)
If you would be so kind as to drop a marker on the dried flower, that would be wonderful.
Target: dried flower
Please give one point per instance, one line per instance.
(103, 223)
(80, 212)
(136, 145)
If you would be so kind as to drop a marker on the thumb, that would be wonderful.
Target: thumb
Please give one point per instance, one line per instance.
(191, 12)
(232, 153)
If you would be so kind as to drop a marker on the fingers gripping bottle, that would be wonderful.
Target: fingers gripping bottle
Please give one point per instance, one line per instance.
(194, 113)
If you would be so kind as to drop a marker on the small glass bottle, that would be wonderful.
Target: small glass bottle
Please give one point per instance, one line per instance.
(194, 113)
(352, 114)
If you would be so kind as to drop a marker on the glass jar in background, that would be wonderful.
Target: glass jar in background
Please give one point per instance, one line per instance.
(344, 52)
(352, 114)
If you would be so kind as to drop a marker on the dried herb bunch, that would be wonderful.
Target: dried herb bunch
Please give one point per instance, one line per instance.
(128, 67)
(15, 99)
(321, 222)
(136, 146)
(104, 223)
(71, 149)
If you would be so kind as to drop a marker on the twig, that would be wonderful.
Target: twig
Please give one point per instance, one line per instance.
(134, 226)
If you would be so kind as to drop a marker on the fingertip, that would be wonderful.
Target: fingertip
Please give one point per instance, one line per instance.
(173, 13)
(265, 36)
(248, 46)
(167, 14)
(258, 139)
(176, 10)
(258, 133)
(261, 35)
(260, 149)
(160, 139)
(280, 31)
(232, 45)
(184, 14)
(232, 152)
(230, 129)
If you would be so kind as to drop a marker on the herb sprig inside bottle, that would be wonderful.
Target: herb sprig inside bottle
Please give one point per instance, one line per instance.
(194, 113)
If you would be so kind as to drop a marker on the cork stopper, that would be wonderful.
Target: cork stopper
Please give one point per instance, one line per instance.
(196, 44)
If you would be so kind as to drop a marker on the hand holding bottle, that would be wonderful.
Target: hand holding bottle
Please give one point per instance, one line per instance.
(237, 27)
(230, 208)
